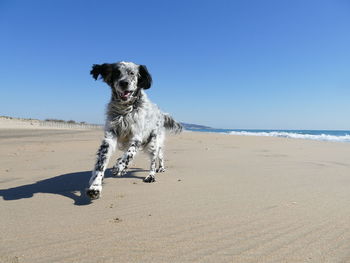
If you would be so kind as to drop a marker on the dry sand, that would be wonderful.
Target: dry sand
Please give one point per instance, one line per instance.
(223, 198)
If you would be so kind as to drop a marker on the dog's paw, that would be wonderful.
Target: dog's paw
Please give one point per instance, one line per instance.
(117, 172)
(149, 179)
(160, 170)
(93, 193)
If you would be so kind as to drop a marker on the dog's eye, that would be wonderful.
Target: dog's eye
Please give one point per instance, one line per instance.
(131, 73)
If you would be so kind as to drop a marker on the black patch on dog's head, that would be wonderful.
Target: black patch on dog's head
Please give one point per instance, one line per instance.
(145, 79)
(107, 71)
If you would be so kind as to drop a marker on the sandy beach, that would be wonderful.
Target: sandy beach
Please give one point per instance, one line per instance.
(223, 198)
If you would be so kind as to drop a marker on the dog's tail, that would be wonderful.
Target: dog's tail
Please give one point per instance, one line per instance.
(171, 125)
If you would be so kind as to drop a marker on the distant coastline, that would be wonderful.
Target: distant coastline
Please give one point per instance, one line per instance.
(25, 123)
(7, 122)
(191, 126)
(58, 123)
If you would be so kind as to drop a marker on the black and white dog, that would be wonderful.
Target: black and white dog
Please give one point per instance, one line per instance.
(133, 122)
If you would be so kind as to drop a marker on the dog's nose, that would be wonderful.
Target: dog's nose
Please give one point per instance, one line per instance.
(123, 84)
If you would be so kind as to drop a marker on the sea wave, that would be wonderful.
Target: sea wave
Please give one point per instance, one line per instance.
(293, 135)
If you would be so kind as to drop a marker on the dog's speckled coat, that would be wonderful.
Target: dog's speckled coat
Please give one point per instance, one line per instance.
(133, 122)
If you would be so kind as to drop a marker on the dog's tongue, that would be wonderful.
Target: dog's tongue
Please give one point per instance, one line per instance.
(125, 94)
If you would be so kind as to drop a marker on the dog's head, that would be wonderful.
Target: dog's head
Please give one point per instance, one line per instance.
(125, 78)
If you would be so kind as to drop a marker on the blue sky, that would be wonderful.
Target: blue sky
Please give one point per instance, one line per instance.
(228, 64)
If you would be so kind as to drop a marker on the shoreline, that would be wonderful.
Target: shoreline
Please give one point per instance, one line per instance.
(341, 136)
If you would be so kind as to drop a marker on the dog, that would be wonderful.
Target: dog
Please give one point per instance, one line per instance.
(133, 122)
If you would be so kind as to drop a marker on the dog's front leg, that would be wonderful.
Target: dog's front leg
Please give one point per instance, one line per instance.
(122, 163)
(103, 155)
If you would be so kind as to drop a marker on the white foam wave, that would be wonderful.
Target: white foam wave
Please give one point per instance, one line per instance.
(320, 137)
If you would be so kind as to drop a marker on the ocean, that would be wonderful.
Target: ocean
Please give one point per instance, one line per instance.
(318, 135)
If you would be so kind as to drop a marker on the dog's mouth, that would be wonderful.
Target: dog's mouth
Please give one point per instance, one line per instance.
(125, 95)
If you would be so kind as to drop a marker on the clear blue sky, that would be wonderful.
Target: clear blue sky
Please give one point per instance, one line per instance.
(279, 64)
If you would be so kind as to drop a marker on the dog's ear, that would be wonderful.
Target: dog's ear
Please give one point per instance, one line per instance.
(145, 79)
(105, 70)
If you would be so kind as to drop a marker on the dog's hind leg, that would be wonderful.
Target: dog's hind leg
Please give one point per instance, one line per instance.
(153, 151)
(103, 155)
(120, 167)
(161, 167)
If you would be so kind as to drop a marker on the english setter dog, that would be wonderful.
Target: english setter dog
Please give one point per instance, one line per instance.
(133, 122)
